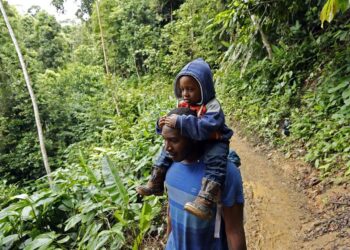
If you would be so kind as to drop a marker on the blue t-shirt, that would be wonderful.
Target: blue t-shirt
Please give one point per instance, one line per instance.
(183, 183)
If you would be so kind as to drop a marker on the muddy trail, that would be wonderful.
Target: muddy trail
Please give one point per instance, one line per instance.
(287, 205)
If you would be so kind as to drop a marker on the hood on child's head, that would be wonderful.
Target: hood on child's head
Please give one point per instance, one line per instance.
(200, 71)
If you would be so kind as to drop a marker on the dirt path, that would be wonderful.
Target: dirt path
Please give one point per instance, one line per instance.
(280, 213)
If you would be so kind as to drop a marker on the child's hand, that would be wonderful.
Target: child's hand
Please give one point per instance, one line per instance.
(161, 121)
(171, 120)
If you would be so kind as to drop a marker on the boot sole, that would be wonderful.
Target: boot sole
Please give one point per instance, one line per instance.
(193, 210)
(143, 192)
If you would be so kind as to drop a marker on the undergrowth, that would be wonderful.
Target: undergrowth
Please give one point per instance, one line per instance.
(92, 203)
(307, 84)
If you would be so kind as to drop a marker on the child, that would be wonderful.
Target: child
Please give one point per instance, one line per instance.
(194, 88)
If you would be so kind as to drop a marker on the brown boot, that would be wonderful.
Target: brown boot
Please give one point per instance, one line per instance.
(155, 184)
(207, 197)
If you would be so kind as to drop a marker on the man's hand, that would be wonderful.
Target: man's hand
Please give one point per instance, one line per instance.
(171, 120)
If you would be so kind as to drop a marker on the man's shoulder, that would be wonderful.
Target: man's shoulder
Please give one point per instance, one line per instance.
(233, 189)
(233, 172)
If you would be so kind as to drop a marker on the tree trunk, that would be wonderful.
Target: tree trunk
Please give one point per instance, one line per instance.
(31, 93)
(171, 11)
(192, 31)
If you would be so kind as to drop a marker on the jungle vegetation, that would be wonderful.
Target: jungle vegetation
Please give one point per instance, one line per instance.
(101, 85)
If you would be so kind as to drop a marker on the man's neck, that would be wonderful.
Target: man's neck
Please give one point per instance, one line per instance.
(193, 157)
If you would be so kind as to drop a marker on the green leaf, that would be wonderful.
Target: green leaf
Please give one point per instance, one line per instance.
(120, 218)
(91, 207)
(88, 218)
(325, 167)
(317, 163)
(329, 10)
(110, 170)
(91, 232)
(72, 221)
(346, 94)
(68, 203)
(339, 86)
(21, 197)
(86, 168)
(100, 240)
(6, 213)
(145, 219)
(63, 240)
(103, 150)
(145, 222)
(45, 202)
(347, 102)
(27, 213)
(348, 171)
(226, 44)
(344, 5)
(9, 240)
(117, 230)
(42, 241)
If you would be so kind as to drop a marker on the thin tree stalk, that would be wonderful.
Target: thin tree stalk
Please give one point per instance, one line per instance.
(31, 93)
(105, 56)
(114, 97)
(171, 11)
(263, 36)
(191, 30)
(102, 39)
(137, 71)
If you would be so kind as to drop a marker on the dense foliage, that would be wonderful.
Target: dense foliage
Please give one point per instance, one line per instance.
(272, 67)
(305, 83)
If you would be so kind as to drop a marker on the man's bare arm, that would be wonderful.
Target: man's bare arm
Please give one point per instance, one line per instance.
(233, 218)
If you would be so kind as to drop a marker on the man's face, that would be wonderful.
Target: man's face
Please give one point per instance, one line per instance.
(190, 90)
(178, 146)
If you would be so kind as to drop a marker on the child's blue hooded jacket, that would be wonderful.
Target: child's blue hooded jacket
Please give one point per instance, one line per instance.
(213, 120)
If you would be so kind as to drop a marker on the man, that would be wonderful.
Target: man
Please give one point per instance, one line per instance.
(183, 182)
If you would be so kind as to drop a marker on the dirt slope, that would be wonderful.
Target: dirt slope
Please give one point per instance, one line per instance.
(287, 205)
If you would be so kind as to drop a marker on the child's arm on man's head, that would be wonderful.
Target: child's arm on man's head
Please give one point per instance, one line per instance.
(171, 120)
(200, 128)
(160, 123)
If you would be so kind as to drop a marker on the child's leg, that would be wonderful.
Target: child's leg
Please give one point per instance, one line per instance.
(155, 184)
(215, 159)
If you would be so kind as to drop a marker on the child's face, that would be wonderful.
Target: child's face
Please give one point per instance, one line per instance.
(190, 90)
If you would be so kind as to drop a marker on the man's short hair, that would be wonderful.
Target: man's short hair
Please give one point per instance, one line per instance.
(182, 111)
